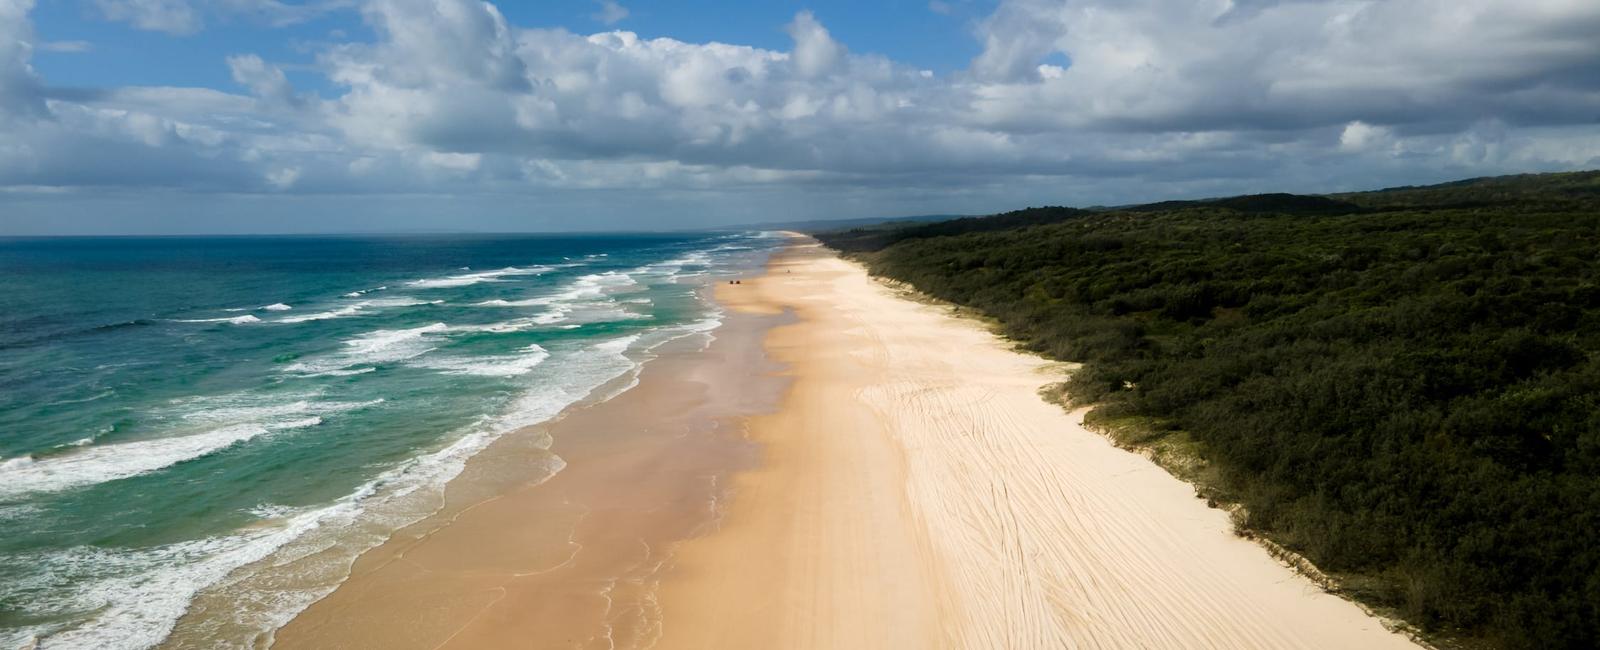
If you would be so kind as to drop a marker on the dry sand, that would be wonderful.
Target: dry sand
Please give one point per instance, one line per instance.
(916, 492)
(911, 490)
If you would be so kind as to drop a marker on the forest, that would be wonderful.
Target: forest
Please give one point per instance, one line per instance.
(1403, 386)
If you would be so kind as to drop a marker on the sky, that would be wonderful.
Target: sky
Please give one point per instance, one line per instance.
(272, 116)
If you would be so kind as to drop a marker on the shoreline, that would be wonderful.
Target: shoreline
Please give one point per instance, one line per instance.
(571, 556)
(841, 467)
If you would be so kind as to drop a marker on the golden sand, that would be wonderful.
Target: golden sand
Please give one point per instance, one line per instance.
(916, 492)
(911, 490)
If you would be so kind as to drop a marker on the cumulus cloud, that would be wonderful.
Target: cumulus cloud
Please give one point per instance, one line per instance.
(1161, 65)
(1360, 136)
(1077, 101)
(19, 86)
(265, 81)
(815, 51)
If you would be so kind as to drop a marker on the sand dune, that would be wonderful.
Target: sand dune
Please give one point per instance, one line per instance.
(916, 492)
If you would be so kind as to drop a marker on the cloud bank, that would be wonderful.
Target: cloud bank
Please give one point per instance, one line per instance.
(1069, 101)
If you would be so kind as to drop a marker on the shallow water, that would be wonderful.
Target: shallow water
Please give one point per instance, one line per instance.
(173, 409)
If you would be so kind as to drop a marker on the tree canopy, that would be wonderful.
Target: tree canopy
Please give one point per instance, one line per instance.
(1402, 385)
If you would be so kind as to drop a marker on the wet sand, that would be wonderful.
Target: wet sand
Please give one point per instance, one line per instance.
(572, 561)
(910, 490)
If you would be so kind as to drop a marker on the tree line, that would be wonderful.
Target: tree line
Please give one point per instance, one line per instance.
(1401, 385)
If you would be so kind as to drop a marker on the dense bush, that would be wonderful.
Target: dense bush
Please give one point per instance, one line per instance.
(1402, 385)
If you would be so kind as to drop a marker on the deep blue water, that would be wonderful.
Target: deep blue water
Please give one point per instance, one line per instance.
(173, 409)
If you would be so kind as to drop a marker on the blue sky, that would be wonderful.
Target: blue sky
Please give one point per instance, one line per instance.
(165, 116)
(121, 54)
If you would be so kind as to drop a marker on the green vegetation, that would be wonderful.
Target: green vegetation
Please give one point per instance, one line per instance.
(1403, 385)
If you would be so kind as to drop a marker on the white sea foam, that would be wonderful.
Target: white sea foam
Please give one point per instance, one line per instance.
(137, 595)
(595, 285)
(475, 278)
(674, 267)
(357, 308)
(98, 464)
(445, 283)
(236, 320)
(531, 302)
(341, 312)
(342, 372)
(152, 588)
(375, 347)
(391, 345)
(301, 423)
(502, 327)
(587, 299)
(617, 345)
(552, 316)
(586, 287)
(404, 301)
(222, 422)
(491, 366)
(571, 316)
(277, 306)
(358, 294)
(229, 408)
(271, 511)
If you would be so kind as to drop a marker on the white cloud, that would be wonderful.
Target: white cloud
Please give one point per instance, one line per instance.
(1076, 101)
(19, 86)
(815, 51)
(265, 81)
(610, 12)
(1360, 136)
(1164, 65)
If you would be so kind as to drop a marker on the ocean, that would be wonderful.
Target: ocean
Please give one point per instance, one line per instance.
(232, 420)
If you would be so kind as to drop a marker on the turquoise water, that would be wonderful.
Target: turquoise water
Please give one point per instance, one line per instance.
(173, 409)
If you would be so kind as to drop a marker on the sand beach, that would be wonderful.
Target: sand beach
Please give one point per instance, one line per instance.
(843, 467)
